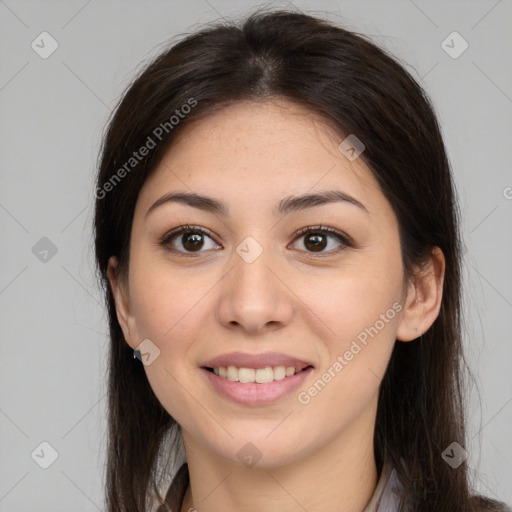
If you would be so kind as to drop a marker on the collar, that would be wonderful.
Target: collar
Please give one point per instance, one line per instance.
(386, 495)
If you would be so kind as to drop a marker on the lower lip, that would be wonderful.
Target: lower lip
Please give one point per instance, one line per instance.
(253, 393)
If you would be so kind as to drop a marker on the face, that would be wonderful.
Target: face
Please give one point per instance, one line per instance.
(248, 280)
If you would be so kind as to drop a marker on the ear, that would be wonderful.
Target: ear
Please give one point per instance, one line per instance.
(423, 300)
(122, 301)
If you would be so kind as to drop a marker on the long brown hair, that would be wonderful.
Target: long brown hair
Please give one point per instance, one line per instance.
(360, 89)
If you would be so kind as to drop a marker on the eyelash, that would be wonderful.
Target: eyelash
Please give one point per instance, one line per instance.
(345, 240)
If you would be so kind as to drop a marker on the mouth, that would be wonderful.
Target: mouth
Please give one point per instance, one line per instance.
(257, 375)
(256, 387)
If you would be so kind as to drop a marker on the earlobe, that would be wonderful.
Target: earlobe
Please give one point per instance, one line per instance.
(423, 301)
(120, 298)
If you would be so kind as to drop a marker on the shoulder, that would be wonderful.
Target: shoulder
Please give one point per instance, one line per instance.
(391, 494)
(483, 504)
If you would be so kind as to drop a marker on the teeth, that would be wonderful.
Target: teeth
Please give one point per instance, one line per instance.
(259, 375)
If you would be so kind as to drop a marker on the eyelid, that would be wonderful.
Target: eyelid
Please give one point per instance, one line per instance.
(165, 240)
(343, 237)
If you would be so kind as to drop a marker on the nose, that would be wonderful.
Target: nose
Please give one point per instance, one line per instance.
(254, 296)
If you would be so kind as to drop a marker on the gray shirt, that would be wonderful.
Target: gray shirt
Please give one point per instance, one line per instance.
(386, 496)
(387, 493)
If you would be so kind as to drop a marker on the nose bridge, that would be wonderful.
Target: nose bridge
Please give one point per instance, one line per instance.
(253, 296)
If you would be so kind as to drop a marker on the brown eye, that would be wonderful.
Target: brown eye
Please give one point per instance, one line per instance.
(189, 240)
(192, 240)
(316, 240)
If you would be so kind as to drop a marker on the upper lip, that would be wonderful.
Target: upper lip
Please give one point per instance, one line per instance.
(245, 360)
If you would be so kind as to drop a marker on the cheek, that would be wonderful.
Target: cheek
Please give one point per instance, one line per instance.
(360, 306)
(356, 298)
(162, 299)
(155, 309)
(362, 317)
(171, 309)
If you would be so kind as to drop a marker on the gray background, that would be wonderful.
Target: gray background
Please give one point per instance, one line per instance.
(53, 327)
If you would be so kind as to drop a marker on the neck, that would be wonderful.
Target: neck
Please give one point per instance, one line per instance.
(339, 476)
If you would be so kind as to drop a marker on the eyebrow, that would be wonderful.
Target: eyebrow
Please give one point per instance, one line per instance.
(286, 205)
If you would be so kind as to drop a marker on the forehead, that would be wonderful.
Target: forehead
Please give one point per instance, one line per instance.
(259, 152)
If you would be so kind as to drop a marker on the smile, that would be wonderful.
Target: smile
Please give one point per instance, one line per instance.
(259, 375)
(246, 390)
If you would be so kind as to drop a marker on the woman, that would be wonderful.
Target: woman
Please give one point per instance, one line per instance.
(277, 235)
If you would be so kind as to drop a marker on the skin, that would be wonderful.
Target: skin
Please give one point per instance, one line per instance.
(316, 456)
